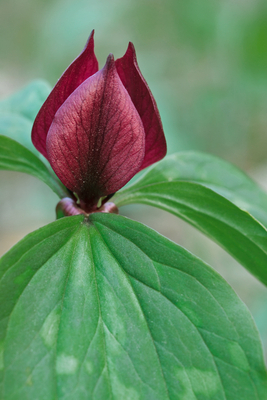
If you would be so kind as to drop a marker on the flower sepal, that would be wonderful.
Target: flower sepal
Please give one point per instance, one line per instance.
(68, 207)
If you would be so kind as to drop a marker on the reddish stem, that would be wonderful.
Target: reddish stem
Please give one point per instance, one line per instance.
(68, 207)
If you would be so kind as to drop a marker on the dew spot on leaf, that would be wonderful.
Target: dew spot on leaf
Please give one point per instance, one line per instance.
(205, 383)
(238, 356)
(50, 327)
(66, 365)
(29, 381)
(123, 392)
(89, 367)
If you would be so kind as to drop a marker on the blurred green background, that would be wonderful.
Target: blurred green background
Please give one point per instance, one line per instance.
(206, 64)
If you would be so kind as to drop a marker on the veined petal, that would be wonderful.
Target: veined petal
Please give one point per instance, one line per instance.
(84, 66)
(96, 141)
(145, 104)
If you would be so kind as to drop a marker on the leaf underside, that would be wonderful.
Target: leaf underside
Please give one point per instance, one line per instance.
(106, 308)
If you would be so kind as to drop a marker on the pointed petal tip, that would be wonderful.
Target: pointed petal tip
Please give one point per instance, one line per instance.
(131, 48)
(110, 62)
(110, 58)
(130, 52)
(90, 40)
(92, 34)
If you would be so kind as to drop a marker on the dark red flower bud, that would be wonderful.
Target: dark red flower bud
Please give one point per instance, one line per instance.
(98, 129)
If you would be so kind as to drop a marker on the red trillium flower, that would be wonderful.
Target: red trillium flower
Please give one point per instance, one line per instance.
(99, 128)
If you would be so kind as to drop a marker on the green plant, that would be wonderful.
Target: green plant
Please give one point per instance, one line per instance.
(97, 306)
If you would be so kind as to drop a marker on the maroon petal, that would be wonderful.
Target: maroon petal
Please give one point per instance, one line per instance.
(96, 141)
(79, 70)
(145, 104)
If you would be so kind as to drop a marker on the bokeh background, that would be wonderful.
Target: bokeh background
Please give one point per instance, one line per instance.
(206, 64)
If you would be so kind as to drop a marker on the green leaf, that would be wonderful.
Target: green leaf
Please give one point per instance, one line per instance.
(15, 157)
(106, 308)
(18, 112)
(235, 230)
(220, 219)
(212, 172)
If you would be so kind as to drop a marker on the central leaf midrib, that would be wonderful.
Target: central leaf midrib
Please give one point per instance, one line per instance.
(100, 316)
(62, 303)
(149, 331)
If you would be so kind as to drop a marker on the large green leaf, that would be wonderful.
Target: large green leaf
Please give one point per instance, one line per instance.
(18, 112)
(234, 229)
(15, 157)
(106, 308)
(212, 172)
